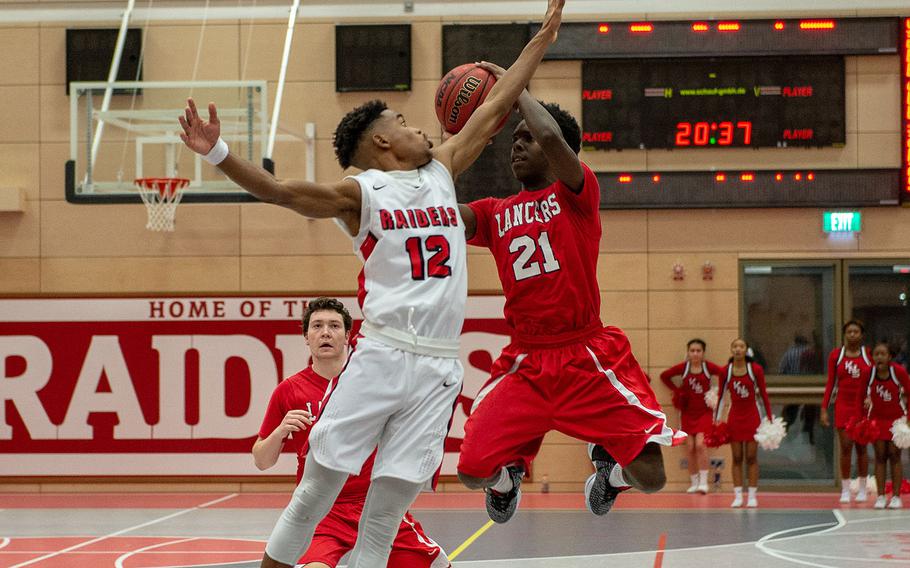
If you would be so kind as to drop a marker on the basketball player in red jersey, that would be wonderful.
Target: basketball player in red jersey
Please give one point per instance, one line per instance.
(848, 369)
(563, 370)
(292, 410)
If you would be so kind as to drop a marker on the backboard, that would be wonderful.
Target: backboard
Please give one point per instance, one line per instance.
(138, 136)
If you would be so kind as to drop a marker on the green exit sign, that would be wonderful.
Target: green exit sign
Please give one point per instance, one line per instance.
(842, 222)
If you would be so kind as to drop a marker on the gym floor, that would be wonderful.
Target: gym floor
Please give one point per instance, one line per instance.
(666, 530)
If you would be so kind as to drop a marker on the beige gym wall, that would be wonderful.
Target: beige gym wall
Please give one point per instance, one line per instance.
(57, 248)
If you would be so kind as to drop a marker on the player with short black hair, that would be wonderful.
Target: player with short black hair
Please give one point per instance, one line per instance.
(563, 369)
(398, 389)
(351, 128)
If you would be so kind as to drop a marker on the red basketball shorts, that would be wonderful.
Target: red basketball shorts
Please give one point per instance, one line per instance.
(592, 389)
(337, 533)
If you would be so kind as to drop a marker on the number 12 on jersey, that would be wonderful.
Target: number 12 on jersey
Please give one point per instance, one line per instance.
(437, 248)
(525, 246)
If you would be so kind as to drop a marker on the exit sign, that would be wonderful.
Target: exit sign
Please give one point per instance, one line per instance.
(842, 222)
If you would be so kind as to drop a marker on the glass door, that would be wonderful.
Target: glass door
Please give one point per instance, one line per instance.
(789, 312)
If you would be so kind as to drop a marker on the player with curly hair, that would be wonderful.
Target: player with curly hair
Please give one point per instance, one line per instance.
(398, 390)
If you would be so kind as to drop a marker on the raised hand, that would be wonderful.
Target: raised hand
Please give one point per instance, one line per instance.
(492, 68)
(553, 17)
(198, 134)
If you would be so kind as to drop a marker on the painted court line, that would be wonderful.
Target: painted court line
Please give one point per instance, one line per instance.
(123, 531)
(762, 543)
(122, 558)
(463, 546)
(4, 542)
(661, 545)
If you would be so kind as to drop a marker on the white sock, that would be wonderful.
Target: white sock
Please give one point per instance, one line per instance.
(845, 485)
(694, 479)
(504, 485)
(616, 478)
(738, 492)
(861, 483)
(752, 492)
(703, 477)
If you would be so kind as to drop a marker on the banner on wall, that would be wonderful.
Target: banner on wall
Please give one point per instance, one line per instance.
(170, 386)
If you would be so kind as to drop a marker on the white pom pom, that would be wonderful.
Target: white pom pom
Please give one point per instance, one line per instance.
(770, 433)
(900, 433)
(711, 398)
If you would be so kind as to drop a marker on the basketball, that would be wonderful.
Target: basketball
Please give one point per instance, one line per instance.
(460, 92)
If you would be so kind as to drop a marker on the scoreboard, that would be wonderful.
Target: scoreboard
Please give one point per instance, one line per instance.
(713, 102)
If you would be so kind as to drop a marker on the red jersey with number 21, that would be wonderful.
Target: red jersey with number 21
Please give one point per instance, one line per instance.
(545, 243)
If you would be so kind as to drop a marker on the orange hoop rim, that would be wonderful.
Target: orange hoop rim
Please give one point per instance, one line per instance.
(150, 182)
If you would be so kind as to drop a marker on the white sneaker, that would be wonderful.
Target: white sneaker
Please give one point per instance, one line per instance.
(895, 502)
(703, 489)
(692, 488)
(880, 502)
(845, 496)
(737, 502)
(861, 495)
(752, 502)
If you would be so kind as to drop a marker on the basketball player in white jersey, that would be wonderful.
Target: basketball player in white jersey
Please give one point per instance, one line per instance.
(399, 387)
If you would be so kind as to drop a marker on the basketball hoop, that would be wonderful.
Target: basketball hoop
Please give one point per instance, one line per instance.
(161, 197)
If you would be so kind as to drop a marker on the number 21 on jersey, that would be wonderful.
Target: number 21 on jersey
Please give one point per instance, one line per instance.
(526, 246)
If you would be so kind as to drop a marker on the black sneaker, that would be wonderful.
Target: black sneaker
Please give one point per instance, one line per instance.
(501, 506)
(599, 494)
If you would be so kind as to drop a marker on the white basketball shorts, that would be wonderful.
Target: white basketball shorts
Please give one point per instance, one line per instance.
(398, 401)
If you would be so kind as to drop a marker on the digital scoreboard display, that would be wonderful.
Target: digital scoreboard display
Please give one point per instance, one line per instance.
(713, 102)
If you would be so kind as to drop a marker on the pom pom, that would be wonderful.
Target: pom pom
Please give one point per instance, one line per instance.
(900, 433)
(862, 430)
(711, 398)
(770, 433)
(717, 435)
(680, 398)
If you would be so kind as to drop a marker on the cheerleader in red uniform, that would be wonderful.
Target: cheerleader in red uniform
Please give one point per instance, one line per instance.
(885, 400)
(848, 368)
(695, 374)
(744, 382)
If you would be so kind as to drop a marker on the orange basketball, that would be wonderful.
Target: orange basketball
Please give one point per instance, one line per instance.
(460, 92)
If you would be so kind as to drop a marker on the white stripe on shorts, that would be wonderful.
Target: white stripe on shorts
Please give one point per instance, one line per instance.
(665, 436)
(492, 384)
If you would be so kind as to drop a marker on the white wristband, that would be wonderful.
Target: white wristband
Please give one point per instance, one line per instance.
(218, 153)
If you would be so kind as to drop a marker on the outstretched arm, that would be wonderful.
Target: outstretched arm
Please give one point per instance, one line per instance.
(462, 149)
(341, 199)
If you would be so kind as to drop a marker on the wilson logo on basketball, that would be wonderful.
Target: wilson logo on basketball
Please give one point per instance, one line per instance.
(464, 96)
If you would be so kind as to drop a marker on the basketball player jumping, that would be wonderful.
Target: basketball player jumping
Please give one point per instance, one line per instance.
(294, 403)
(563, 370)
(399, 387)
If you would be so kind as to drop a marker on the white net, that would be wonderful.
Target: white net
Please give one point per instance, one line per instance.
(161, 197)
